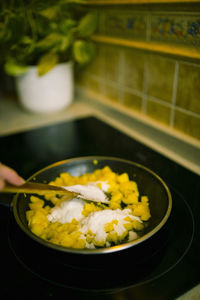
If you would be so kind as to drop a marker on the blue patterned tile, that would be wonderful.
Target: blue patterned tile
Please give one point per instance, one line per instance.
(179, 29)
(123, 24)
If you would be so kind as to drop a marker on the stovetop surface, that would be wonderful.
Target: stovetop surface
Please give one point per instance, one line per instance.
(171, 271)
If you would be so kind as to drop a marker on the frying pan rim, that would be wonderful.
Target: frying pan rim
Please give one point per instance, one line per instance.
(99, 250)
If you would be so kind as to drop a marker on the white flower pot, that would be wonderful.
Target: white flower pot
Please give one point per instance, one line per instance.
(48, 93)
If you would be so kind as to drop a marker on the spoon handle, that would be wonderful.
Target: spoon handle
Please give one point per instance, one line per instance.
(36, 188)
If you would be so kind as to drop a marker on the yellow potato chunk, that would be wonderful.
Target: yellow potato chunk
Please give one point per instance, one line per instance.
(122, 193)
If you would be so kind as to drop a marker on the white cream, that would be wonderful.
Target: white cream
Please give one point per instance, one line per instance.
(67, 211)
(89, 192)
(96, 222)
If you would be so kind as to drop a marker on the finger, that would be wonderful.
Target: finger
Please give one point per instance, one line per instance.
(10, 175)
(1, 183)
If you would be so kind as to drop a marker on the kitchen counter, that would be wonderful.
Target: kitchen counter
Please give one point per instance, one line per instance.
(14, 119)
(179, 148)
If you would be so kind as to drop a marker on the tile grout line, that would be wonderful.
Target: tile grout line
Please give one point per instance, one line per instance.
(148, 22)
(174, 93)
(102, 82)
(160, 101)
(188, 112)
(145, 83)
(121, 69)
(116, 84)
(146, 66)
(142, 95)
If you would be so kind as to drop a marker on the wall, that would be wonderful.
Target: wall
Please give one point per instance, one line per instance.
(148, 61)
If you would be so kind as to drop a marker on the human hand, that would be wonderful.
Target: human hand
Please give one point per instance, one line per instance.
(9, 175)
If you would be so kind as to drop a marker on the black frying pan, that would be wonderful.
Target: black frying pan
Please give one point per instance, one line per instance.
(148, 182)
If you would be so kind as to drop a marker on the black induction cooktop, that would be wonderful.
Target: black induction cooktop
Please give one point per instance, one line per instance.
(29, 270)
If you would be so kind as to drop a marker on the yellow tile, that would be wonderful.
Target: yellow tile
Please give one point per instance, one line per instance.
(188, 91)
(134, 69)
(112, 57)
(158, 112)
(132, 101)
(111, 92)
(94, 84)
(188, 124)
(88, 82)
(160, 77)
(96, 65)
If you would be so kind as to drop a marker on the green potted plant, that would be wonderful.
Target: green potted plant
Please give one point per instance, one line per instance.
(41, 40)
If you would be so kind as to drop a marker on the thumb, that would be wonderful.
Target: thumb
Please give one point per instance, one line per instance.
(10, 175)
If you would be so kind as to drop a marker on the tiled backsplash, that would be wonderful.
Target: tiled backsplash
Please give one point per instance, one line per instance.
(163, 87)
(174, 27)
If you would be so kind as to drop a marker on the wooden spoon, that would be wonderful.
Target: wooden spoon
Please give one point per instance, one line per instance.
(43, 189)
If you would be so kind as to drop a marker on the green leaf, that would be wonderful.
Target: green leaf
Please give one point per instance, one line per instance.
(67, 25)
(13, 68)
(30, 30)
(88, 24)
(46, 63)
(49, 41)
(49, 13)
(65, 42)
(74, 1)
(26, 40)
(83, 51)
